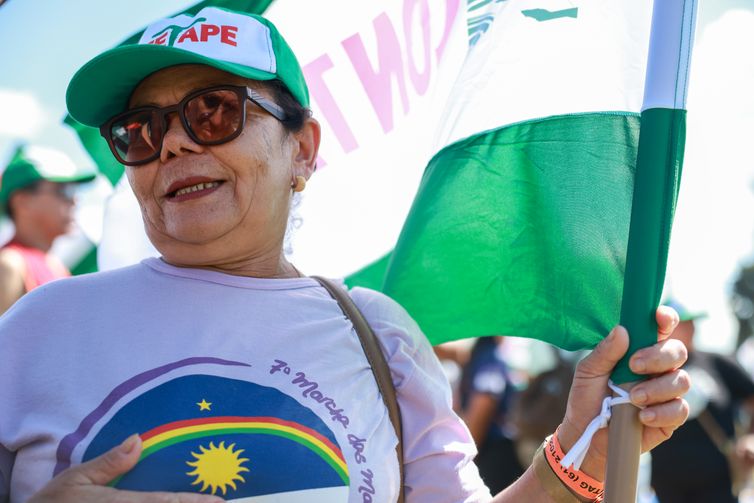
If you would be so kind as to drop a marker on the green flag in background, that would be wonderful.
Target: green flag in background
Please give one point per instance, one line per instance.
(521, 223)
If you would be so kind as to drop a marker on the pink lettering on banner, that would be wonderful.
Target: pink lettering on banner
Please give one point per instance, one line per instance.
(451, 11)
(330, 109)
(379, 78)
(378, 84)
(419, 79)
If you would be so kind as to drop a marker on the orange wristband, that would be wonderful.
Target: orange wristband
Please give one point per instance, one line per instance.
(577, 481)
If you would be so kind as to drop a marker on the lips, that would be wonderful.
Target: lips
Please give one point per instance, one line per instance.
(190, 187)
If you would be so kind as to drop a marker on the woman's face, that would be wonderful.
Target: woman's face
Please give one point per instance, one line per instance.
(216, 205)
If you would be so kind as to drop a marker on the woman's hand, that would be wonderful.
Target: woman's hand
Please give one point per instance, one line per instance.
(87, 482)
(660, 396)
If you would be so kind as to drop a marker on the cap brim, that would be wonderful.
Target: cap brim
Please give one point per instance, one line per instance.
(102, 87)
(5, 191)
(79, 178)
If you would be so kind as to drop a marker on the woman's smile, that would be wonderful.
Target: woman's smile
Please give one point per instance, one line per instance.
(190, 188)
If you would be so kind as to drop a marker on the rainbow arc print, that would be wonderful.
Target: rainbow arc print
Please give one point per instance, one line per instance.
(191, 429)
(231, 438)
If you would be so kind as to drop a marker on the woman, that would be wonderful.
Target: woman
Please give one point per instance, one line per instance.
(241, 376)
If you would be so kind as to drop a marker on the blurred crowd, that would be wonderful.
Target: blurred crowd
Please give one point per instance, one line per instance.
(512, 393)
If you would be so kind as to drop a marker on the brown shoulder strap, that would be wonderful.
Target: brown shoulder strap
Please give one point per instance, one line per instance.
(715, 432)
(376, 360)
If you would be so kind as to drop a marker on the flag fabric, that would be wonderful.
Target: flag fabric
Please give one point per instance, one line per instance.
(522, 219)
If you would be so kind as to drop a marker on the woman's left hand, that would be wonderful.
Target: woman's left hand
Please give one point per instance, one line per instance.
(660, 396)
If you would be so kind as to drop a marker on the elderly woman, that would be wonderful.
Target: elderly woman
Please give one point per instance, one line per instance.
(219, 369)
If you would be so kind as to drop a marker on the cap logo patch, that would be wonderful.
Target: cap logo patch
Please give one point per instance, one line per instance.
(218, 34)
(169, 35)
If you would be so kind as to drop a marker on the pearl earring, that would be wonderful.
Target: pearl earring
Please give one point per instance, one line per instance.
(299, 184)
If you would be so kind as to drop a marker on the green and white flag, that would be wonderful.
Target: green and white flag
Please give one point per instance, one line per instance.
(521, 222)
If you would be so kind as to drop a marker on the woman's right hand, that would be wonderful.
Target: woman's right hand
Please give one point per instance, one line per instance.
(88, 482)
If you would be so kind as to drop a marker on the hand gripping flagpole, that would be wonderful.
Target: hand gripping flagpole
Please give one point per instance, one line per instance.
(658, 171)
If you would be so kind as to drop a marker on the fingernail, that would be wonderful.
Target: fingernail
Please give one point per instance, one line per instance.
(647, 415)
(638, 365)
(129, 444)
(638, 396)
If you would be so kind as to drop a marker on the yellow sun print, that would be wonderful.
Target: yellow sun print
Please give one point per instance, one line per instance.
(217, 467)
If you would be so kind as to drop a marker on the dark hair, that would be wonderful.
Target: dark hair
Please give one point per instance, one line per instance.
(296, 113)
(32, 187)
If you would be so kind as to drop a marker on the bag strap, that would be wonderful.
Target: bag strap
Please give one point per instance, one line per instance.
(715, 432)
(377, 362)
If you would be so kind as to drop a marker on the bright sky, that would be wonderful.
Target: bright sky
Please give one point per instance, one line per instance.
(44, 43)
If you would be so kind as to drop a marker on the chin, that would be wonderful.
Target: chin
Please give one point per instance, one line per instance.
(191, 235)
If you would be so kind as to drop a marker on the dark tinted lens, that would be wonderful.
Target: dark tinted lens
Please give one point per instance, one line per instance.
(215, 115)
(137, 136)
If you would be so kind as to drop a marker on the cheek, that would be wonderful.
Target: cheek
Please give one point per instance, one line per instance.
(141, 182)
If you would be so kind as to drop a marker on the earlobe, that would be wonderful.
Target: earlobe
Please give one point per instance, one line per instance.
(308, 148)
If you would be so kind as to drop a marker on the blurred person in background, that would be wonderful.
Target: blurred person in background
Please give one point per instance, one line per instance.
(704, 461)
(486, 394)
(542, 401)
(453, 357)
(37, 194)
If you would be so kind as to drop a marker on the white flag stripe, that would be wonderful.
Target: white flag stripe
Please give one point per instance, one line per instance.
(568, 83)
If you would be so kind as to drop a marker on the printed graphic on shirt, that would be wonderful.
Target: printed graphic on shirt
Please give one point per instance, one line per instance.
(231, 438)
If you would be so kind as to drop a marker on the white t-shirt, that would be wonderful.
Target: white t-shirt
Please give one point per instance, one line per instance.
(240, 387)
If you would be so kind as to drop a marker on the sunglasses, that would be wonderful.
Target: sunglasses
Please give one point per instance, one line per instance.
(210, 117)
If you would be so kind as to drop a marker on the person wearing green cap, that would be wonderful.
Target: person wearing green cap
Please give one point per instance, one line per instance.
(219, 368)
(707, 445)
(36, 193)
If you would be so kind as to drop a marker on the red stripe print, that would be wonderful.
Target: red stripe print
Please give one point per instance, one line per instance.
(176, 425)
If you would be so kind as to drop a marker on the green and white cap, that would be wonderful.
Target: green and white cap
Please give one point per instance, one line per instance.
(34, 163)
(243, 44)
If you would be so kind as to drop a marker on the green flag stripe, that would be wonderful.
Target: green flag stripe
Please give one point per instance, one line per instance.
(528, 223)
(658, 175)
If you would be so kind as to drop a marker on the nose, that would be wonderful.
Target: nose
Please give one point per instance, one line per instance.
(176, 141)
